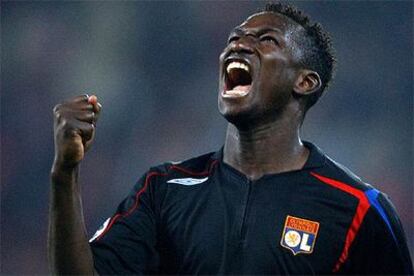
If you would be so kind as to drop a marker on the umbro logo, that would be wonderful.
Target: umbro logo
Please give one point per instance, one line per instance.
(187, 181)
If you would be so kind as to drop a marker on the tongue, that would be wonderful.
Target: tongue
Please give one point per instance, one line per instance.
(238, 91)
(242, 87)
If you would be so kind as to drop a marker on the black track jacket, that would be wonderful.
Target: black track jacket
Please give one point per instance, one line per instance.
(201, 216)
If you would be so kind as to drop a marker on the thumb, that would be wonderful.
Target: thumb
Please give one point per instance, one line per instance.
(94, 101)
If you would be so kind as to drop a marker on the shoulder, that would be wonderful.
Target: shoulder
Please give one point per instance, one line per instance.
(154, 184)
(196, 166)
(330, 172)
(192, 166)
(333, 170)
(375, 222)
(371, 201)
(340, 177)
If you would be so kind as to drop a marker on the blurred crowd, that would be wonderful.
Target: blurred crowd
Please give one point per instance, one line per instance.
(154, 68)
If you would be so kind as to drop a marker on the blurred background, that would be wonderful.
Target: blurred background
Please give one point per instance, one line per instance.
(154, 67)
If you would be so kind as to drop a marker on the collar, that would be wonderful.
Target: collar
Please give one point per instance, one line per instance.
(316, 157)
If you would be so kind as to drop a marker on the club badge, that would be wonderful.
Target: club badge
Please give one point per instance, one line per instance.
(299, 235)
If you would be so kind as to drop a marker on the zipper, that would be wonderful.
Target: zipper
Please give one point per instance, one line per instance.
(246, 206)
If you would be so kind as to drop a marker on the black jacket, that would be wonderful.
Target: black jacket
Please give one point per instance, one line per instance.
(203, 217)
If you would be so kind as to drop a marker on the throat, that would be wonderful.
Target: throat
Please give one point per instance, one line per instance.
(263, 151)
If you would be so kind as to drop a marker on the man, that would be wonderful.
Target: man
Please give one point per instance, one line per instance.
(266, 203)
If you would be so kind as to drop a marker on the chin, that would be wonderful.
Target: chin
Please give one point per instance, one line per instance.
(242, 118)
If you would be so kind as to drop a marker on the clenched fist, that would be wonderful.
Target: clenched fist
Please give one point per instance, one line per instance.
(74, 129)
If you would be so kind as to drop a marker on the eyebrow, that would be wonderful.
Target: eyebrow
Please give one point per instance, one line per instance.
(241, 31)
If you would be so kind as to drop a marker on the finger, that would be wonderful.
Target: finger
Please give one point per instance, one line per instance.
(88, 117)
(85, 129)
(77, 99)
(94, 101)
(88, 133)
(89, 142)
(84, 105)
(98, 109)
(94, 106)
(70, 113)
(72, 129)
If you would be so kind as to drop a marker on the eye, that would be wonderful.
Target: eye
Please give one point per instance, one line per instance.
(268, 38)
(233, 38)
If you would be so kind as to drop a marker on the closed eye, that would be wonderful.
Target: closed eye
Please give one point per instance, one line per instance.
(232, 38)
(268, 38)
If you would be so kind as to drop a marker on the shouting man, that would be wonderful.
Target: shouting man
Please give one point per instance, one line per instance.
(266, 203)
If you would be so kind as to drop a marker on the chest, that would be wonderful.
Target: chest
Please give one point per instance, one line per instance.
(269, 227)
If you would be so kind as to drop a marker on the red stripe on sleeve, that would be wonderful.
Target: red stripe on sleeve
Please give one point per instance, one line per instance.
(144, 188)
(134, 206)
(362, 208)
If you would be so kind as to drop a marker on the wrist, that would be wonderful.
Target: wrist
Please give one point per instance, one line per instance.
(63, 173)
(62, 166)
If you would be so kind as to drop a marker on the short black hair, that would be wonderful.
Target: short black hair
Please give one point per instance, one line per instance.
(317, 46)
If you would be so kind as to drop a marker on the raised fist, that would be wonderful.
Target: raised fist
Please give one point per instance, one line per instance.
(74, 129)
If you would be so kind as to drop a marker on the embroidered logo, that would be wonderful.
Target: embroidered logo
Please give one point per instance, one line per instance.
(299, 235)
(188, 181)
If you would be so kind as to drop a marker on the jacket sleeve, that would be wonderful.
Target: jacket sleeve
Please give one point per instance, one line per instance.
(380, 247)
(126, 244)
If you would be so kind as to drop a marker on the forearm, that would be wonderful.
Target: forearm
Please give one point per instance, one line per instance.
(69, 251)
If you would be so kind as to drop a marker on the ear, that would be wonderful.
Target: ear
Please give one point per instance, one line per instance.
(308, 82)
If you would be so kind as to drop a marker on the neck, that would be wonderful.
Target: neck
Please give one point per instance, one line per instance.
(266, 149)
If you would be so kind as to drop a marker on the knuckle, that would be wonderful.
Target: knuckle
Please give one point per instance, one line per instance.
(58, 117)
(89, 128)
(64, 125)
(56, 108)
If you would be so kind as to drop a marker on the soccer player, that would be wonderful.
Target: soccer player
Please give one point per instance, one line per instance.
(266, 203)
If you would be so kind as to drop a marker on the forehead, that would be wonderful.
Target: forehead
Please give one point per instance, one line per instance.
(268, 20)
(290, 31)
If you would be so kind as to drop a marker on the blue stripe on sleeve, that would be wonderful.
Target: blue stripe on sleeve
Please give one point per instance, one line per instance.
(372, 196)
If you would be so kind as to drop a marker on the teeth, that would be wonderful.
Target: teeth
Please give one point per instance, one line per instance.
(235, 64)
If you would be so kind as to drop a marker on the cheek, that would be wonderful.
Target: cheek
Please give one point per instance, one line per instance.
(273, 65)
(278, 72)
(222, 55)
(276, 87)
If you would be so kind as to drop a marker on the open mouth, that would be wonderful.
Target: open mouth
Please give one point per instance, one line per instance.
(238, 79)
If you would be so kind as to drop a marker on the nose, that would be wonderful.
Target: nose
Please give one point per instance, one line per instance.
(242, 45)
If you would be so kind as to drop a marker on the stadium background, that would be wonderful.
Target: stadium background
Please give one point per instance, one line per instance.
(154, 66)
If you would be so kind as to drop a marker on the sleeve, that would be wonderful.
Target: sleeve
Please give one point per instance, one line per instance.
(126, 244)
(380, 247)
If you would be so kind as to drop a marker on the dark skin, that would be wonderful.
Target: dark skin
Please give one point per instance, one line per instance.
(262, 135)
(74, 129)
(263, 131)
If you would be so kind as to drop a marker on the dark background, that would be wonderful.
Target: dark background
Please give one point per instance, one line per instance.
(154, 67)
